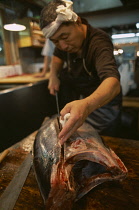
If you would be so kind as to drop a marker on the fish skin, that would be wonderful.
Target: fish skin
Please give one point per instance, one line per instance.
(87, 163)
(45, 155)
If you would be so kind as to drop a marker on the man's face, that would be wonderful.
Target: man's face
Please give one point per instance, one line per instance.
(69, 38)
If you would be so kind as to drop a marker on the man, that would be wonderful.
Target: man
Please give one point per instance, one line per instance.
(91, 72)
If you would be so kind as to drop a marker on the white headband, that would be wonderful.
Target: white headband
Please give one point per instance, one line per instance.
(64, 14)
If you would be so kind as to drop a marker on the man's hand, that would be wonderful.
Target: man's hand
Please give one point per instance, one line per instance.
(54, 84)
(39, 75)
(79, 110)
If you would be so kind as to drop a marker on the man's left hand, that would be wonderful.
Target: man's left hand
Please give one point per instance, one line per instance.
(78, 113)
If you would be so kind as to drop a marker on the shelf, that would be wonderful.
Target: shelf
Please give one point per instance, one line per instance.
(32, 36)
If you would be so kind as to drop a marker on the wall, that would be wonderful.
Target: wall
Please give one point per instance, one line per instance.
(95, 5)
(114, 18)
(106, 13)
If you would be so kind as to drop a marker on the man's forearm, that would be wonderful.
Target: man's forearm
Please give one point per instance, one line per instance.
(107, 90)
(54, 81)
(47, 61)
(56, 66)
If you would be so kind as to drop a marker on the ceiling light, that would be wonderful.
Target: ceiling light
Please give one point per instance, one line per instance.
(14, 27)
(118, 36)
(115, 52)
(137, 25)
(120, 51)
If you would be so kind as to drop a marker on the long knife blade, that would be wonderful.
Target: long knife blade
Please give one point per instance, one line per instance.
(58, 112)
(57, 104)
(59, 124)
(11, 193)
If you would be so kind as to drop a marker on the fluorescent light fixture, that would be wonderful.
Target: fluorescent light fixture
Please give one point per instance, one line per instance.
(137, 34)
(138, 53)
(115, 52)
(137, 25)
(118, 36)
(14, 27)
(120, 51)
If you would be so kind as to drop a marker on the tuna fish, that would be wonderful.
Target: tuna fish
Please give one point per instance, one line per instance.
(87, 162)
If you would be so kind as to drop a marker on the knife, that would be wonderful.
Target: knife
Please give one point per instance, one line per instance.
(58, 120)
(58, 112)
(11, 193)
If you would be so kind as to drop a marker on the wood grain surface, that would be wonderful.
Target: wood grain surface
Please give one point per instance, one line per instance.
(114, 195)
(26, 78)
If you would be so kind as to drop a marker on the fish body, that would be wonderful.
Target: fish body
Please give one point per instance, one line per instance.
(87, 162)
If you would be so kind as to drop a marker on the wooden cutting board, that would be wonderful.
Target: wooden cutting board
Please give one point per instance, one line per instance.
(114, 195)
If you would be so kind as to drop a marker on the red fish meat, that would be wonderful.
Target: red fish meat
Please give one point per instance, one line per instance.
(87, 162)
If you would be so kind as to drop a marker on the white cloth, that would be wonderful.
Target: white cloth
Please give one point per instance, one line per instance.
(64, 14)
(66, 117)
(48, 48)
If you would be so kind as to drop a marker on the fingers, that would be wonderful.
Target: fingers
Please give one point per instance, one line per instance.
(64, 111)
(70, 127)
(78, 113)
(53, 89)
(54, 84)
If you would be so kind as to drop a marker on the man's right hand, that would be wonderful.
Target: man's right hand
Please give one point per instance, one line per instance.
(54, 84)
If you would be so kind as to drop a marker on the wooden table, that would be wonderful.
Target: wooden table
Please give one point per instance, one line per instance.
(25, 78)
(112, 195)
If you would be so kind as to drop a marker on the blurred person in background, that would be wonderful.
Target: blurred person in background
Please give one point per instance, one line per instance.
(47, 52)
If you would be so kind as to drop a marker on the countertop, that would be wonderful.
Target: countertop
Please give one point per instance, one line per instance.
(25, 78)
(107, 196)
(131, 102)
